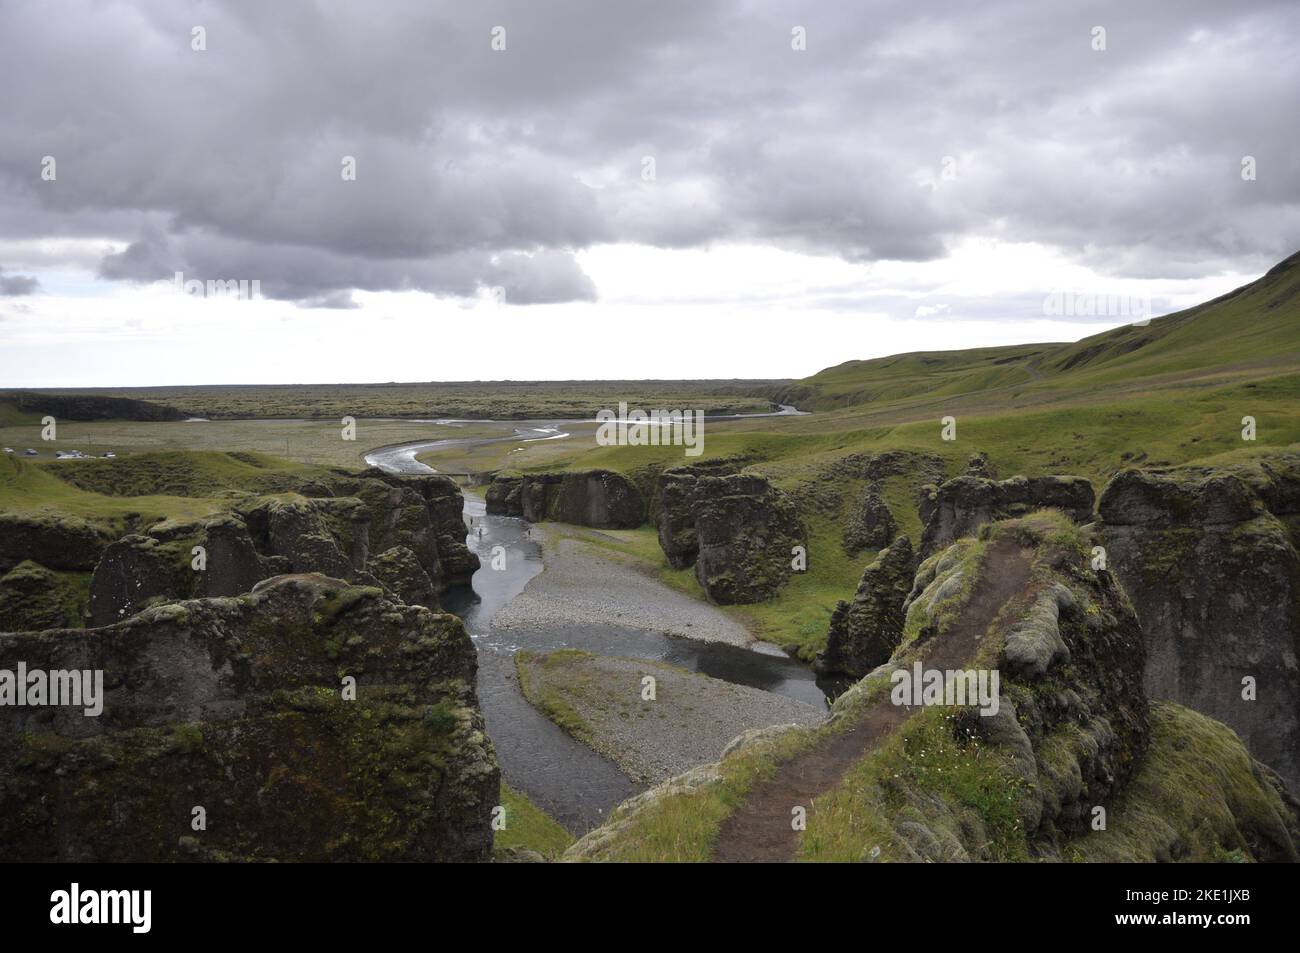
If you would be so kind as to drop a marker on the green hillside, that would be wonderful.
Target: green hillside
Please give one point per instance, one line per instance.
(1247, 334)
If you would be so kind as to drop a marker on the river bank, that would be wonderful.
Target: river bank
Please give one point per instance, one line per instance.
(592, 599)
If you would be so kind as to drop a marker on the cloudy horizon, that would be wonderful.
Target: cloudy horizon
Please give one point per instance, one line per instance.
(526, 190)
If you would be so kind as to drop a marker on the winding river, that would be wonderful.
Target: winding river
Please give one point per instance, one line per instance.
(567, 779)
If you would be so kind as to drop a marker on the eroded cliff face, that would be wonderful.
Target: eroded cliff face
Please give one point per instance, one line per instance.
(598, 498)
(737, 530)
(348, 527)
(1209, 558)
(962, 505)
(238, 707)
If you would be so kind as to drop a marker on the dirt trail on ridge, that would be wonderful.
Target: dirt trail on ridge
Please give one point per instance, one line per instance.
(759, 831)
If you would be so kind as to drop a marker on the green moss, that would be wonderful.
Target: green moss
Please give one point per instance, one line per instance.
(528, 827)
(1196, 796)
(531, 668)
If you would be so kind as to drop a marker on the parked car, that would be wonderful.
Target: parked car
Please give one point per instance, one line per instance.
(9, 449)
(109, 455)
(29, 452)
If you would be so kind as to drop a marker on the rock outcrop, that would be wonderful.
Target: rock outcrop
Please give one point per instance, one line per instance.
(56, 542)
(1209, 558)
(135, 572)
(598, 498)
(874, 467)
(865, 631)
(962, 505)
(343, 530)
(239, 707)
(33, 597)
(871, 525)
(738, 530)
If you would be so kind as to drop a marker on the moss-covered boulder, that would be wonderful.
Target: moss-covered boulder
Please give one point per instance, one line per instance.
(243, 707)
(737, 530)
(675, 517)
(1208, 556)
(345, 531)
(233, 563)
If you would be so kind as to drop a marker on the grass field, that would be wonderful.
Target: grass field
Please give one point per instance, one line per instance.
(505, 400)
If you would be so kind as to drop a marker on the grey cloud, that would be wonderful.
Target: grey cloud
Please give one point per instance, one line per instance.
(478, 169)
(14, 286)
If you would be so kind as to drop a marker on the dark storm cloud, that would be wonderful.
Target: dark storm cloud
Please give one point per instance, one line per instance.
(478, 169)
(13, 286)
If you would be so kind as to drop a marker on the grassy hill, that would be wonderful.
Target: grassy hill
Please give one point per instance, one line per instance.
(1249, 333)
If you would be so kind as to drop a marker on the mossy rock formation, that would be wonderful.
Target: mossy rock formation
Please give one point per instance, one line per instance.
(344, 529)
(236, 705)
(1209, 558)
(962, 505)
(865, 632)
(602, 499)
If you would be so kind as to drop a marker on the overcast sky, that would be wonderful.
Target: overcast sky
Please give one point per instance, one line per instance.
(677, 188)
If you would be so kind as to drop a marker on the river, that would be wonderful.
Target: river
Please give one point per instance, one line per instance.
(567, 779)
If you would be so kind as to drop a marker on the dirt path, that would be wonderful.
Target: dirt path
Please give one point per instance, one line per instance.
(759, 830)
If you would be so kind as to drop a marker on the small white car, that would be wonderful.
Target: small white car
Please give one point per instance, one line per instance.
(110, 455)
(29, 452)
(9, 449)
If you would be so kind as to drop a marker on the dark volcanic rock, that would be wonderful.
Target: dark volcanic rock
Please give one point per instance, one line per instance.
(1215, 577)
(308, 534)
(978, 466)
(233, 563)
(535, 495)
(235, 705)
(747, 531)
(504, 496)
(962, 505)
(676, 517)
(871, 525)
(134, 572)
(399, 571)
(865, 632)
(56, 542)
(598, 498)
(33, 597)
(341, 533)
(737, 530)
